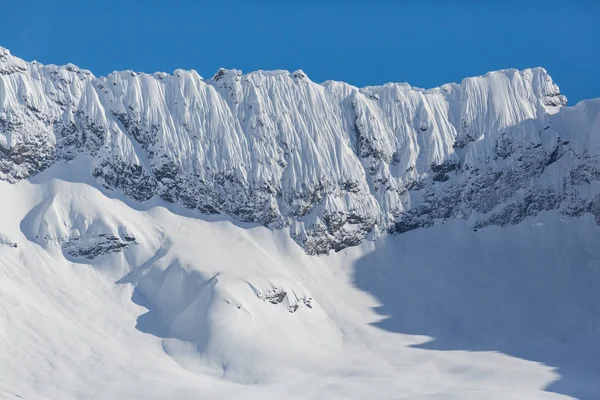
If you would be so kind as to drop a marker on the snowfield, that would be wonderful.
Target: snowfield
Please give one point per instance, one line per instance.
(203, 307)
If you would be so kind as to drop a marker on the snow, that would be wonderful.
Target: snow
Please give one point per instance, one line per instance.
(192, 310)
(155, 232)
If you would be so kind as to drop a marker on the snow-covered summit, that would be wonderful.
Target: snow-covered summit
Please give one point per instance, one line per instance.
(332, 161)
(10, 64)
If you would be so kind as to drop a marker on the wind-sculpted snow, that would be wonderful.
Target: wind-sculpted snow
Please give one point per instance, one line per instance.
(334, 162)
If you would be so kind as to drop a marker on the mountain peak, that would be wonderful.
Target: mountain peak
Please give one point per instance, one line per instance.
(10, 64)
(227, 74)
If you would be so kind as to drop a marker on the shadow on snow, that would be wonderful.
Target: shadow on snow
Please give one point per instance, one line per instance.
(177, 299)
(530, 291)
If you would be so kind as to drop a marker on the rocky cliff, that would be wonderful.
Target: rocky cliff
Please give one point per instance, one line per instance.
(334, 162)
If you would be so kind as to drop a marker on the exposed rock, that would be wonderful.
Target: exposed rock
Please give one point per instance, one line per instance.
(94, 246)
(277, 295)
(274, 296)
(7, 242)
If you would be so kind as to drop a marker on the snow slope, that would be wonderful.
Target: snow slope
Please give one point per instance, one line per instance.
(333, 162)
(205, 307)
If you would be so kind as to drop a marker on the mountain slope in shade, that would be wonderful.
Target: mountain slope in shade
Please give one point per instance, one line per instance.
(333, 162)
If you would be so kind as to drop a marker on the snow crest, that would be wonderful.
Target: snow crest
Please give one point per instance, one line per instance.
(334, 162)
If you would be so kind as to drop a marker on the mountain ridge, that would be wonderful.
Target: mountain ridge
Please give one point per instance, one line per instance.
(6, 53)
(335, 163)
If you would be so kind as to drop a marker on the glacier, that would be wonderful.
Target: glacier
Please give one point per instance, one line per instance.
(335, 163)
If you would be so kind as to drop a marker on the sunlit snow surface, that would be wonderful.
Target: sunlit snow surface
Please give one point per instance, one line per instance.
(193, 307)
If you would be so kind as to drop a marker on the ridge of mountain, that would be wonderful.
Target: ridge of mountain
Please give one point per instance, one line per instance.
(335, 163)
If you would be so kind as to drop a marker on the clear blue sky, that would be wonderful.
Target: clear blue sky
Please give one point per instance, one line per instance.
(424, 43)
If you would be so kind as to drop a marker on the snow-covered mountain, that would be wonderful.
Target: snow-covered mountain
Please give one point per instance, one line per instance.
(332, 161)
(154, 232)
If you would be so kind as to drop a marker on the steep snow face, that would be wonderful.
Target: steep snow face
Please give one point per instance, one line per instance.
(333, 162)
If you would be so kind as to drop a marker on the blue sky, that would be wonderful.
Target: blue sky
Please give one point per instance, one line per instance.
(425, 43)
